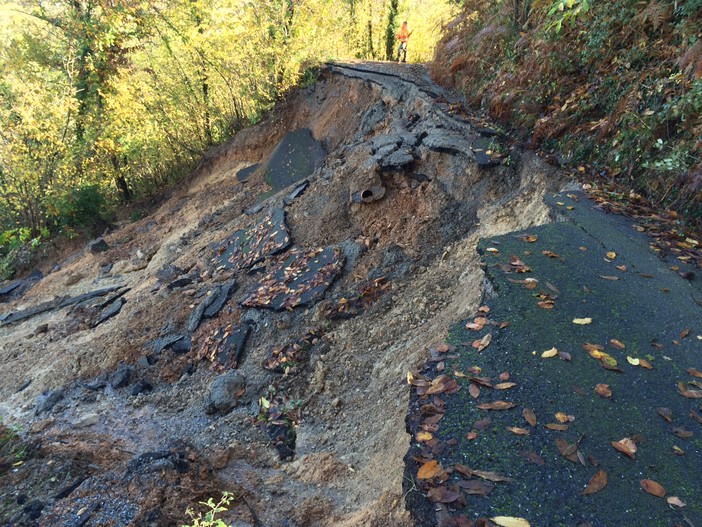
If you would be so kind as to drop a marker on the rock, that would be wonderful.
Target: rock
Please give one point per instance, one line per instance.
(41, 328)
(384, 140)
(446, 141)
(161, 343)
(253, 210)
(220, 296)
(182, 346)
(180, 282)
(141, 387)
(397, 159)
(244, 174)
(219, 457)
(47, 400)
(109, 311)
(87, 420)
(98, 246)
(296, 193)
(147, 360)
(168, 273)
(33, 509)
(483, 151)
(120, 378)
(336, 403)
(224, 392)
(39, 426)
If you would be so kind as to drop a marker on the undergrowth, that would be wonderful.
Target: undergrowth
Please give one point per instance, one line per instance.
(614, 86)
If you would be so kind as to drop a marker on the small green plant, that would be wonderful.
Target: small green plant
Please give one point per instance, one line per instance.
(208, 519)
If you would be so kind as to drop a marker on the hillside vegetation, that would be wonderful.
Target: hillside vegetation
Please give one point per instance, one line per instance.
(613, 87)
(107, 101)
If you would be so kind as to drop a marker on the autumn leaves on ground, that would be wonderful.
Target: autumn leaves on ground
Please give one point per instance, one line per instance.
(572, 396)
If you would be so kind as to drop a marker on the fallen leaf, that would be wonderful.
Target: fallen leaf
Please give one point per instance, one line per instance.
(561, 417)
(674, 500)
(566, 449)
(685, 333)
(518, 431)
(697, 417)
(597, 483)
(529, 416)
(475, 487)
(633, 361)
(470, 436)
(690, 394)
(492, 250)
(617, 344)
(582, 321)
(549, 353)
(611, 255)
(565, 356)
(484, 309)
(678, 451)
(652, 487)
(442, 494)
(546, 304)
(423, 437)
(611, 278)
(482, 474)
(429, 470)
(550, 254)
(694, 372)
(483, 343)
(504, 376)
(625, 446)
(666, 414)
(509, 521)
(622, 268)
(529, 238)
(682, 432)
(505, 385)
(603, 390)
(474, 390)
(556, 426)
(496, 405)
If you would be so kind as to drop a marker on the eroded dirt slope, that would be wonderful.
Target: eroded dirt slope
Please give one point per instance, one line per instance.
(122, 430)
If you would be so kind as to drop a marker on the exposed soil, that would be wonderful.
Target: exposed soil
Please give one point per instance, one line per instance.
(97, 455)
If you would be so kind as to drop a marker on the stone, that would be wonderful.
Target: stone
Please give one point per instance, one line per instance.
(295, 158)
(98, 246)
(446, 141)
(120, 378)
(383, 140)
(221, 295)
(146, 361)
(245, 173)
(161, 343)
(397, 159)
(33, 509)
(86, 420)
(182, 346)
(296, 193)
(224, 392)
(46, 401)
(141, 387)
(109, 311)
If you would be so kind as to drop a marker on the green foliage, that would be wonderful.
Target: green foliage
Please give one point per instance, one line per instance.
(209, 518)
(567, 11)
(81, 208)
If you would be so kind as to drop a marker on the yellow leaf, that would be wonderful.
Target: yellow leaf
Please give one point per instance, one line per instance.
(633, 361)
(611, 255)
(674, 500)
(429, 470)
(582, 321)
(510, 521)
(423, 437)
(549, 353)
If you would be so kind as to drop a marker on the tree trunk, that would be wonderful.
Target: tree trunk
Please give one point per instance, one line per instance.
(390, 31)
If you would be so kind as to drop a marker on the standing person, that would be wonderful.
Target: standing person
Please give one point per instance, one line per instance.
(403, 36)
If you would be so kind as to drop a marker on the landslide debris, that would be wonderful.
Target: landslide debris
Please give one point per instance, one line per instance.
(263, 336)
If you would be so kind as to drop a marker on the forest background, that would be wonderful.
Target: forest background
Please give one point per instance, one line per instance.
(106, 102)
(109, 102)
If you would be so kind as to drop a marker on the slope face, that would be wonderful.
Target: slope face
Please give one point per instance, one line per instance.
(193, 384)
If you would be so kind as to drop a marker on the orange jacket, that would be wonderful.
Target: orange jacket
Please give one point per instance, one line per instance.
(404, 34)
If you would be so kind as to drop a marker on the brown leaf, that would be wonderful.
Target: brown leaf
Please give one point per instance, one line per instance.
(475, 487)
(484, 309)
(491, 476)
(652, 487)
(603, 390)
(429, 470)
(597, 483)
(483, 424)
(694, 372)
(564, 418)
(625, 446)
(505, 385)
(612, 278)
(496, 405)
(697, 417)
(518, 431)
(685, 333)
(666, 414)
(529, 416)
(529, 238)
(442, 494)
(617, 344)
(690, 394)
(533, 457)
(483, 343)
(504, 376)
(546, 304)
(682, 432)
(556, 426)
(674, 500)
(474, 390)
(565, 356)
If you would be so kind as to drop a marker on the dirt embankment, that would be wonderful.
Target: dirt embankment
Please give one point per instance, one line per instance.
(122, 428)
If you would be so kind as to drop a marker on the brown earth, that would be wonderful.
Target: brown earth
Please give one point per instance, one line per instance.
(350, 389)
